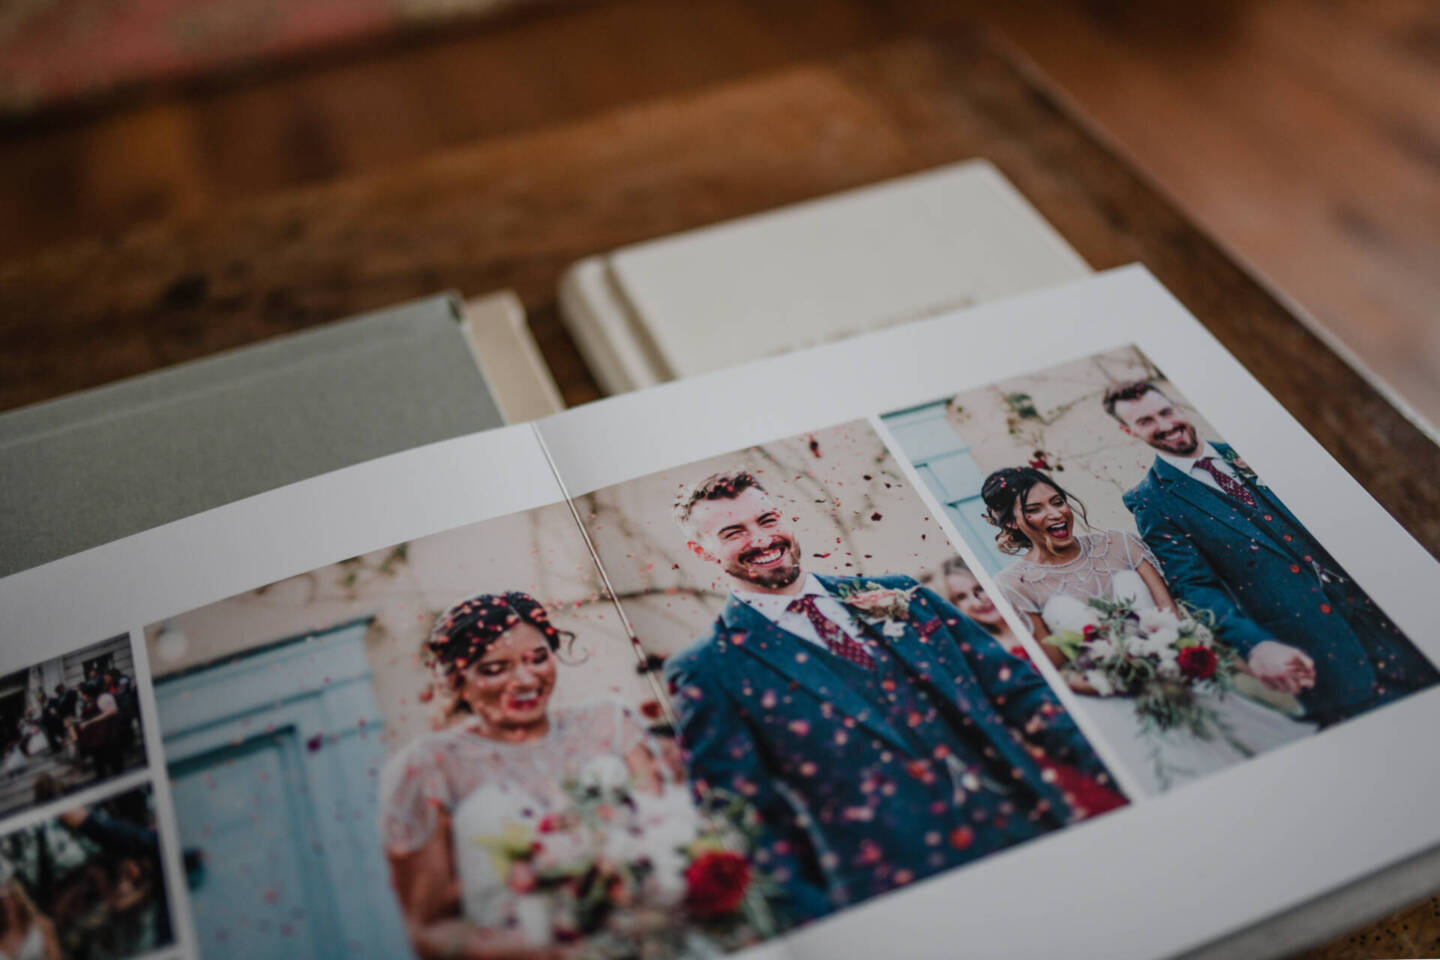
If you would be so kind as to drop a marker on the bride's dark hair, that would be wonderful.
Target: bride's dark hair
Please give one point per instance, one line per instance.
(463, 633)
(1009, 486)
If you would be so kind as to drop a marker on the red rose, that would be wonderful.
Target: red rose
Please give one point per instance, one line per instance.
(1198, 663)
(716, 882)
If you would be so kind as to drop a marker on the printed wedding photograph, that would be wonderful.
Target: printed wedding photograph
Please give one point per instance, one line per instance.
(821, 683)
(69, 723)
(1198, 622)
(448, 747)
(86, 884)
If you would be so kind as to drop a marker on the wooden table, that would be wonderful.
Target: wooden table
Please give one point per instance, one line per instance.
(516, 211)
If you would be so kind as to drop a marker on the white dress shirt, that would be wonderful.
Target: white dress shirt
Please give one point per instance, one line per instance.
(1190, 466)
(774, 607)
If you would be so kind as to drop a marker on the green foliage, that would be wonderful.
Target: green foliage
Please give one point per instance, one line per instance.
(1023, 406)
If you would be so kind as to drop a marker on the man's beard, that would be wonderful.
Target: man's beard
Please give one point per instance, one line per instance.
(1182, 443)
(771, 578)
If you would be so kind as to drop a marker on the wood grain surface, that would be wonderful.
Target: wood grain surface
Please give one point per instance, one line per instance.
(515, 210)
(1305, 134)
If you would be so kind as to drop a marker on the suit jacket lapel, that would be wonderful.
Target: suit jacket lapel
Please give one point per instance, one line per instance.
(932, 666)
(1259, 491)
(943, 673)
(762, 639)
(1213, 503)
(923, 659)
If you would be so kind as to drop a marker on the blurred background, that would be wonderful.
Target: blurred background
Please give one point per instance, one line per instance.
(1303, 135)
(851, 510)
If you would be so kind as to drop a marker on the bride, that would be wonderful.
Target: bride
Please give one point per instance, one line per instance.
(1052, 583)
(453, 800)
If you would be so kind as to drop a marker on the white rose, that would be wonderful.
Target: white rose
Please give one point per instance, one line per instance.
(1100, 649)
(605, 772)
(1153, 619)
(1163, 638)
(1101, 682)
(563, 850)
(622, 845)
(669, 823)
(1148, 647)
(666, 886)
(668, 819)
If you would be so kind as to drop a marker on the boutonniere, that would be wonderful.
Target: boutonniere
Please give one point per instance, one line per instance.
(1240, 466)
(883, 607)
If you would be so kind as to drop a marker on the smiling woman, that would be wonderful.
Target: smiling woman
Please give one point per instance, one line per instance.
(493, 656)
(1035, 517)
(503, 757)
(1032, 512)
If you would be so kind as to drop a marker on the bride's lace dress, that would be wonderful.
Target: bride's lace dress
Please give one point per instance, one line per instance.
(1107, 568)
(487, 787)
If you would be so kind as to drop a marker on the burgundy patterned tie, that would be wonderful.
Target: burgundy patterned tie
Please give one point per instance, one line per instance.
(840, 643)
(1227, 483)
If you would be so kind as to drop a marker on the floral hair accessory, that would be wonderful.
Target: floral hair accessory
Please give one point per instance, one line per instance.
(462, 633)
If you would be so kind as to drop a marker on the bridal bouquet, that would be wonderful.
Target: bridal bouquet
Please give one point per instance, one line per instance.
(1159, 659)
(622, 872)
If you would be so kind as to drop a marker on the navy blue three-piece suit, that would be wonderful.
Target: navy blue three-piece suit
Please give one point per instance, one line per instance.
(1266, 578)
(868, 778)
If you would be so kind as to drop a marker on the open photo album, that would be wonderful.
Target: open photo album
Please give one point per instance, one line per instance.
(1039, 626)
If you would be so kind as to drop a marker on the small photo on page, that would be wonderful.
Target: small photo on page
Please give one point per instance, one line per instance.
(67, 724)
(448, 747)
(1195, 618)
(86, 884)
(861, 732)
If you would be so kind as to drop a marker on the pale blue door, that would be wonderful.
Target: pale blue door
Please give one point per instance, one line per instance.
(241, 809)
(943, 460)
(273, 762)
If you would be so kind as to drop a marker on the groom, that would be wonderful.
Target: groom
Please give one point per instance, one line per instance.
(1228, 545)
(871, 725)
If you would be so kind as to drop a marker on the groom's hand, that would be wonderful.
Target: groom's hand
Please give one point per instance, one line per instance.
(1282, 667)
